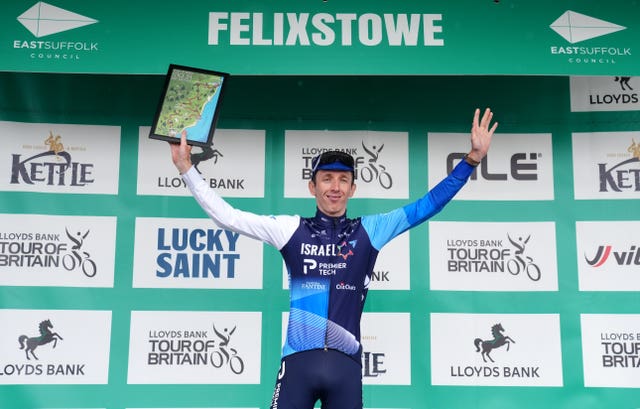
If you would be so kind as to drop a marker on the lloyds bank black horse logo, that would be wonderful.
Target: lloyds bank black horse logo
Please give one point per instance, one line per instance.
(498, 340)
(29, 344)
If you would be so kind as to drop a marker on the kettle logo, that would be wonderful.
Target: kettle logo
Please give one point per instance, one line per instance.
(43, 19)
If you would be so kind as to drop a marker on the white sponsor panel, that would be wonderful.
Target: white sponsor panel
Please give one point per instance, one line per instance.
(54, 347)
(381, 161)
(195, 347)
(391, 272)
(606, 165)
(61, 251)
(386, 348)
(589, 94)
(233, 165)
(60, 158)
(611, 350)
(608, 255)
(517, 167)
(493, 256)
(194, 253)
(496, 349)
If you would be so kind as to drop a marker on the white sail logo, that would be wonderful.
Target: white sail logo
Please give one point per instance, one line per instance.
(43, 19)
(575, 27)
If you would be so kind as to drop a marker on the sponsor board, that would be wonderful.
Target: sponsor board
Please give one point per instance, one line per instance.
(496, 349)
(386, 348)
(611, 350)
(518, 166)
(60, 158)
(381, 165)
(194, 253)
(493, 256)
(194, 347)
(590, 94)
(54, 347)
(608, 255)
(391, 271)
(61, 251)
(606, 165)
(233, 165)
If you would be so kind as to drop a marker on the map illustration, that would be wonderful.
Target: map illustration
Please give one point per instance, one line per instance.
(189, 105)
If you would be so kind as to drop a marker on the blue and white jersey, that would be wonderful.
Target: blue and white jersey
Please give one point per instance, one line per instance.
(329, 260)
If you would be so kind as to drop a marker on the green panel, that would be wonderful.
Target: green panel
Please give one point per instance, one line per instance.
(313, 37)
(408, 103)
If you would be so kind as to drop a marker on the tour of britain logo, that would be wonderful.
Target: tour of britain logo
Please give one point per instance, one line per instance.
(508, 258)
(611, 350)
(194, 347)
(54, 251)
(380, 165)
(575, 28)
(43, 19)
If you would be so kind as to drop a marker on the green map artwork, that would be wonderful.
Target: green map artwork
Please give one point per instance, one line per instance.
(189, 104)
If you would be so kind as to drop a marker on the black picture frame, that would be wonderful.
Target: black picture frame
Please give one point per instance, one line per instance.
(190, 102)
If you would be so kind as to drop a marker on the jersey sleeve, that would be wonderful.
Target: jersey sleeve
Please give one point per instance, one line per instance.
(274, 230)
(382, 228)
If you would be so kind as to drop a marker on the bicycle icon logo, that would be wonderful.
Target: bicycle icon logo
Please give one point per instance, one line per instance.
(518, 264)
(222, 356)
(374, 170)
(75, 260)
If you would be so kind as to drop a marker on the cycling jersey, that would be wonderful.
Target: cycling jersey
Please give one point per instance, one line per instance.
(329, 259)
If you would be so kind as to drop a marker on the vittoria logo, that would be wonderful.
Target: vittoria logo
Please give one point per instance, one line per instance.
(626, 257)
(53, 167)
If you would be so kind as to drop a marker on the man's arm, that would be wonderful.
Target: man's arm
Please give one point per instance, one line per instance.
(383, 228)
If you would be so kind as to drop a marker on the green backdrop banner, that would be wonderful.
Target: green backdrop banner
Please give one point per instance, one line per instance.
(118, 293)
(314, 37)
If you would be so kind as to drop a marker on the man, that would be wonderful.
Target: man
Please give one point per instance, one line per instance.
(329, 258)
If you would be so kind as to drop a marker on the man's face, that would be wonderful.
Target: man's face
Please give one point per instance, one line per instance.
(332, 189)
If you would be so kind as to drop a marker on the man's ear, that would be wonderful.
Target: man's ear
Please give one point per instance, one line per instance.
(312, 188)
(353, 189)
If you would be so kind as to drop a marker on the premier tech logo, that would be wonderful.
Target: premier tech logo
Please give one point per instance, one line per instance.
(575, 27)
(43, 19)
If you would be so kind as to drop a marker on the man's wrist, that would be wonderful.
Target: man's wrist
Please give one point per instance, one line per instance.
(470, 160)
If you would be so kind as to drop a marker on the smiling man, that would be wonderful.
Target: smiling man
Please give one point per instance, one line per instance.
(329, 259)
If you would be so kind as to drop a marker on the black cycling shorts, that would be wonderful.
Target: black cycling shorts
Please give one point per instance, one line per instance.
(330, 376)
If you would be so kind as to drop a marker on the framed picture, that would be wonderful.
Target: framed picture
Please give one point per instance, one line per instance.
(190, 103)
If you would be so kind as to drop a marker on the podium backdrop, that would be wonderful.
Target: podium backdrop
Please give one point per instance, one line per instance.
(117, 292)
